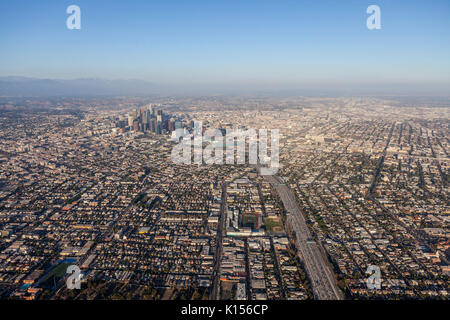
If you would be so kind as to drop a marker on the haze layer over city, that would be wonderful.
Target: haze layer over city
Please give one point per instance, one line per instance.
(238, 150)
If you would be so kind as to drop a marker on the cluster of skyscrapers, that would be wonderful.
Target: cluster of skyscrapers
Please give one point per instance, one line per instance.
(150, 119)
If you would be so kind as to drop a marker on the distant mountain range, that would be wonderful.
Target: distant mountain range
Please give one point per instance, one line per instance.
(32, 87)
(35, 87)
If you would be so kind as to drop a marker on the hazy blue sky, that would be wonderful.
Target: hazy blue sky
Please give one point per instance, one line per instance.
(229, 41)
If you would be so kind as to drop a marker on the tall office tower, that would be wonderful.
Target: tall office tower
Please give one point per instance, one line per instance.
(153, 125)
(158, 128)
(136, 125)
(150, 109)
(159, 116)
(130, 120)
(145, 118)
(171, 125)
(149, 119)
(134, 113)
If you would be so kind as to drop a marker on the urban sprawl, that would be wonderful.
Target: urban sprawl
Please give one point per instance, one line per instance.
(90, 182)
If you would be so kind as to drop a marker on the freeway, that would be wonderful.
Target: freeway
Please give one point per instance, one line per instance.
(323, 283)
(215, 292)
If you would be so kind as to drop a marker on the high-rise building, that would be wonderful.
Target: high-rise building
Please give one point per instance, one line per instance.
(158, 128)
(159, 116)
(150, 109)
(153, 125)
(171, 125)
(145, 120)
(130, 120)
(136, 125)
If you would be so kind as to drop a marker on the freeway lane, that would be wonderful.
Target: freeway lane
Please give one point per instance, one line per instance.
(323, 283)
